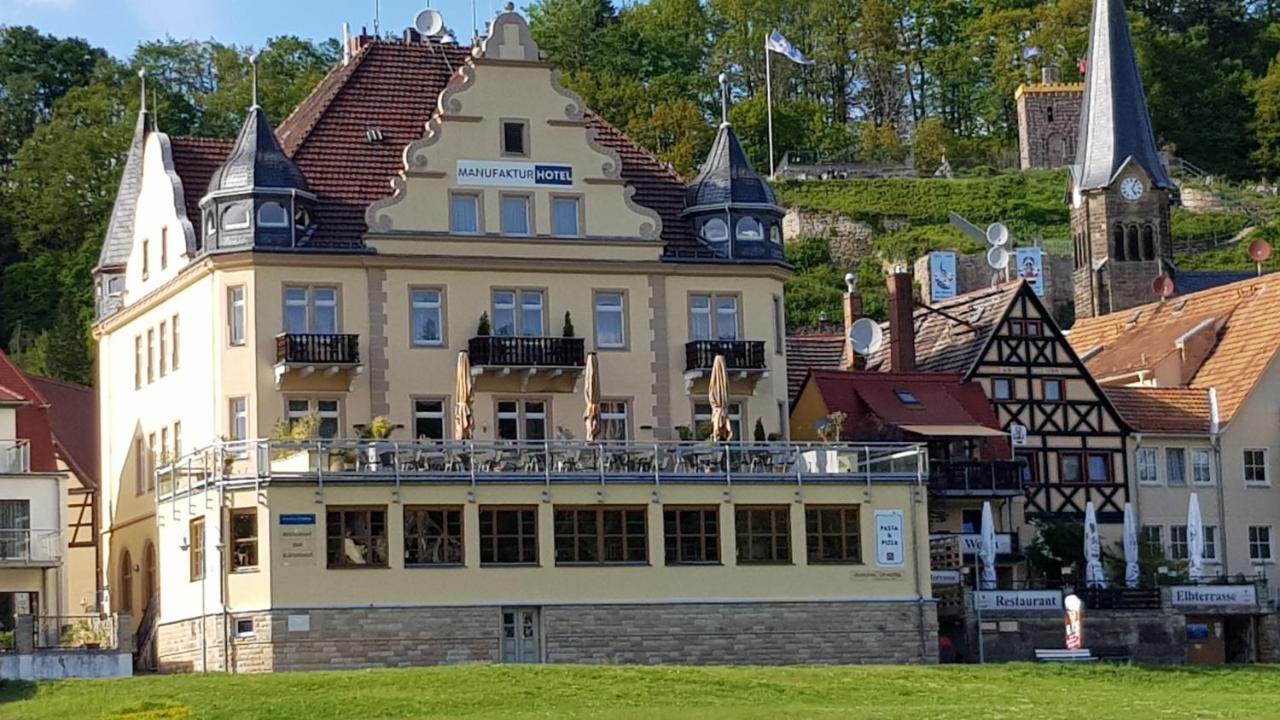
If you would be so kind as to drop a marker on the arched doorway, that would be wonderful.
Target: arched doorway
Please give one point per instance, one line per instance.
(124, 595)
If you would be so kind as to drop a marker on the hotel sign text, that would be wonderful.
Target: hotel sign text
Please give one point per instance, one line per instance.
(490, 173)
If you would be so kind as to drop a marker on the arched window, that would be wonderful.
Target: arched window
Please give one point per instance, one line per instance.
(1049, 113)
(235, 217)
(272, 214)
(148, 575)
(715, 230)
(750, 228)
(1148, 243)
(124, 598)
(210, 224)
(1135, 252)
(1117, 243)
(775, 234)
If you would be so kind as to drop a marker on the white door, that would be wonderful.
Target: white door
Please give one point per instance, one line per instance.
(521, 635)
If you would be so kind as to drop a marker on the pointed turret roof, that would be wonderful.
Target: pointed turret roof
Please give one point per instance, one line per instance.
(728, 178)
(1114, 123)
(256, 160)
(118, 241)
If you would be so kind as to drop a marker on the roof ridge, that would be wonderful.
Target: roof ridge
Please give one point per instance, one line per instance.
(56, 381)
(643, 150)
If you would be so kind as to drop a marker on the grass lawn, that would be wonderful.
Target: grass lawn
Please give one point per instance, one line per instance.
(1014, 692)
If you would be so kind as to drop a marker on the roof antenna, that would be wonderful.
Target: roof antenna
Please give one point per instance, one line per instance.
(475, 27)
(253, 62)
(377, 16)
(724, 99)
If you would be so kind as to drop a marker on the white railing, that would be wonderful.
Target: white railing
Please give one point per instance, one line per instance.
(30, 546)
(82, 632)
(254, 461)
(15, 457)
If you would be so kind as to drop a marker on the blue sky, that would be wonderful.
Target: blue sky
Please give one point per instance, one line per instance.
(119, 25)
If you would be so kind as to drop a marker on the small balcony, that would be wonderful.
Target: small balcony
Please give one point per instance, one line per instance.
(30, 548)
(308, 353)
(976, 478)
(506, 353)
(739, 355)
(15, 457)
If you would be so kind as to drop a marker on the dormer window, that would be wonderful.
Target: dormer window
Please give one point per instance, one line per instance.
(235, 217)
(715, 230)
(272, 214)
(908, 398)
(210, 225)
(515, 138)
(750, 228)
(775, 234)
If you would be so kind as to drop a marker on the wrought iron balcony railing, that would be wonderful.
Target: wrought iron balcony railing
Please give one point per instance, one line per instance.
(318, 348)
(738, 354)
(516, 351)
(976, 477)
(15, 456)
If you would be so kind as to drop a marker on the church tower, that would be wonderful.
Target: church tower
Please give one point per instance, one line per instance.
(1120, 191)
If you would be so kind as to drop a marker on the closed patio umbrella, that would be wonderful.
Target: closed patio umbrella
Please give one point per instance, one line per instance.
(718, 396)
(591, 393)
(1195, 540)
(987, 548)
(463, 421)
(1130, 547)
(1093, 575)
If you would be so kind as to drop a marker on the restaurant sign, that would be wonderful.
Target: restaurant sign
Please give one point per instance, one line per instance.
(890, 550)
(490, 173)
(1019, 600)
(971, 543)
(1213, 596)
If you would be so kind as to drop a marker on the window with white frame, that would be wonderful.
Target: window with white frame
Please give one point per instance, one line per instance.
(164, 348)
(310, 309)
(1152, 537)
(518, 312)
(326, 411)
(1201, 467)
(522, 420)
(610, 320)
(1175, 465)
(173, 347)
(565, 212)
(238, 426)
(235, 315)
(1260, 543)
(713, 317)
(1210, 543)
(1002, 388)
(1178, 542)
(515, 215)
(702, 420)
(1148, 470)
(464, 213)
(613, 420)
(151, 355)
(428, 316)
(429, 418)
(1255, 466)
(137, 362)
(272, 214)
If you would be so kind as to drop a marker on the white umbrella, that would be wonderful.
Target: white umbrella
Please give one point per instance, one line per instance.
(1195, 540)
(1130, 547)
(987, 548)
(1093, 575)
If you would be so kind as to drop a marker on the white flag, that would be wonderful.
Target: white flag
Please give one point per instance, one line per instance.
(780, 45)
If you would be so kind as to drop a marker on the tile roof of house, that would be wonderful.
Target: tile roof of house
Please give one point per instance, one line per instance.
(196, 160)
(73, 417)
(1247, 340)
(32, 416)
(1162, 410)
(951, 334)
(816, 351)
(393, 88)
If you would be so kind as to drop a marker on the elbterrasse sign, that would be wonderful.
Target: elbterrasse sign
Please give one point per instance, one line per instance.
(1213, 595)
(1019, 600)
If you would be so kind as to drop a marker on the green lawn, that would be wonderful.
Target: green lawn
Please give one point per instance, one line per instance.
(1014, 692)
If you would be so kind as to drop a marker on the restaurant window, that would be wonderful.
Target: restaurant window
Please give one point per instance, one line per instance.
(1260, 543)
(464, 213)
(832, 534)
(702, 420)
(764, 534)
(244, 538)
(713, 317)
(613, 420)
(518, 312)
(1152, 538)
(1177, 542)
(1201, 469)
(691, 535)
(428, 316)
(515, 215)
(1148, 471)
(610, 321)
(433, 536)
(515, 137)
(235, 315)
(1052, 390)
(428, 419)
(195, 554)
(357, 537)
(311, 310)
(1255, 466)
(565, 213)
(601, 536)
(1175, 463)
(1002, 388)
(164, 348)
(522, 420)
(509, 536)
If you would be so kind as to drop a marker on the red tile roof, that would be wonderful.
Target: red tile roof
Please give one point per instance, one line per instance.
(1162, 410)
(811, 352)
(195, 160)
(394, 87)
(73, 416)
(951, 334)
(33, 416)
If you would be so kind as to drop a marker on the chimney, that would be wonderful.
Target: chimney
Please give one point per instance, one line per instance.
(1049, 75)
(852, 311)
(902, 328)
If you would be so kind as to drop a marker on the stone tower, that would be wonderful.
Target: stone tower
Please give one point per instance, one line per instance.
(1048, 121)
(1120, 191)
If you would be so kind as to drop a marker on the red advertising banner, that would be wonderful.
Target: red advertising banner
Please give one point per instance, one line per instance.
(1074, 622)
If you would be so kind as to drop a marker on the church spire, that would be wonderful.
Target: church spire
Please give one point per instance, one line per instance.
(1114, 123)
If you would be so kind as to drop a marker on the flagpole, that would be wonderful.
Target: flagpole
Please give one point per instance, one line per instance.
(768, 94)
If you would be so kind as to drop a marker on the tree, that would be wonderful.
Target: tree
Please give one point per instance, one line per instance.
(676, 132)
(1266, 121)
(36, 70)
(568, 30)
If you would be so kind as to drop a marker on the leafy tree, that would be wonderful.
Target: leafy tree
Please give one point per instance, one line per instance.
(677, 133)
(36, 70)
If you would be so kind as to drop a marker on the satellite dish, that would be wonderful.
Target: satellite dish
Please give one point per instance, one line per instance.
(429, 22)
(997, 234)
(1163, 287)
(1260, 250)
(865, 336)
(998, 257)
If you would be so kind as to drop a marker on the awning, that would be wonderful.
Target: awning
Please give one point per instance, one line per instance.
(971, 431)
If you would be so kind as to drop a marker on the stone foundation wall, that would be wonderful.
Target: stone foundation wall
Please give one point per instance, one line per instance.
(705, 633)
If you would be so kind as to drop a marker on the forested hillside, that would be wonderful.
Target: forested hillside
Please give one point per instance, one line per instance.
(891, 78)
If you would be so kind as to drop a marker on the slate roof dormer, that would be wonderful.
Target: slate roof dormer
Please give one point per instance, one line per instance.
(1115, 125)
(256, 160)
(117, 243)
(732, 209)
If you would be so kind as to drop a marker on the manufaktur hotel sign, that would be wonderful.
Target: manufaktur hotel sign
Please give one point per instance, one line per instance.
(493, 173)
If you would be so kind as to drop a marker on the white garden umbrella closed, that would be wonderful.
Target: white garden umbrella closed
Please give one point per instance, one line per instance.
(987, 548)
(1195, 540)
(1130, 547)
(1093, 574)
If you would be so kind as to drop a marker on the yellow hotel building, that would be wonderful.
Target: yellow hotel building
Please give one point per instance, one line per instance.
(427, 201)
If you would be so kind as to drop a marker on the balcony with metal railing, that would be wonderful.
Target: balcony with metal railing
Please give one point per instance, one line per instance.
(976, 478)
(345, 462)
(15, 457)
(739, 355)
(30, 548)
(308, 353)
(507, 351)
